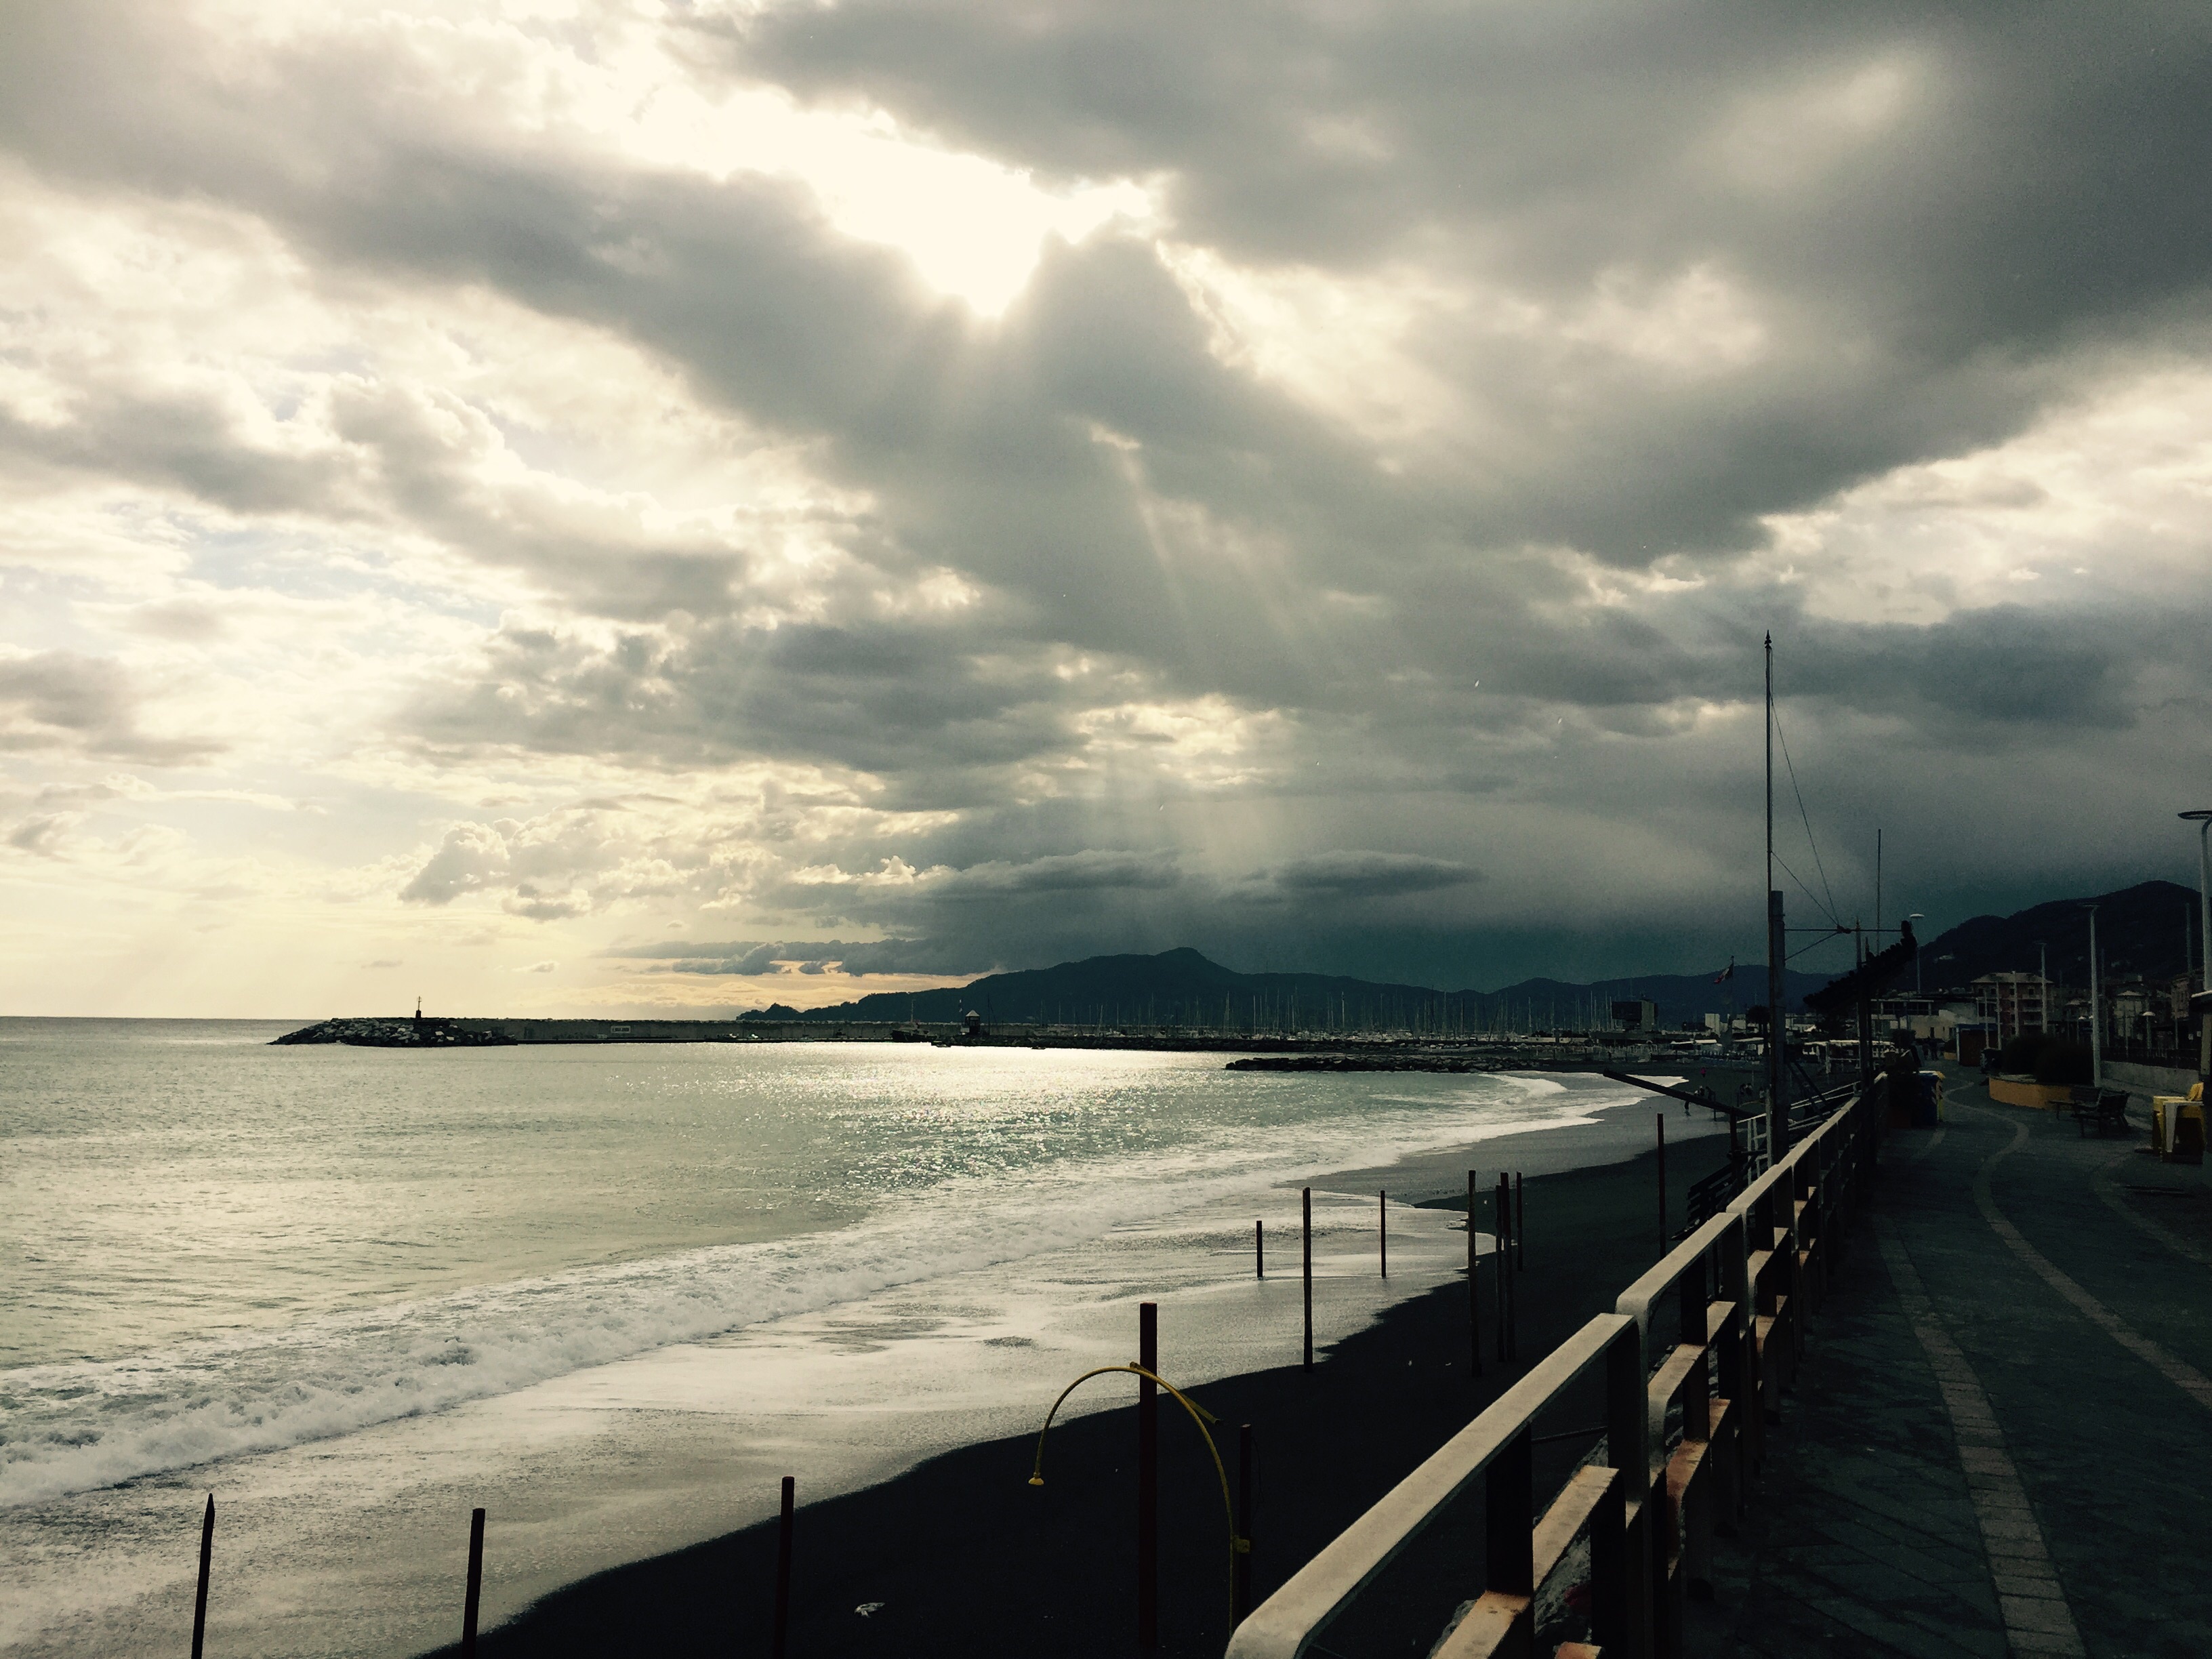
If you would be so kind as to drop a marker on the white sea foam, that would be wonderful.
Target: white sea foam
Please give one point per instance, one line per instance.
(74, 1426)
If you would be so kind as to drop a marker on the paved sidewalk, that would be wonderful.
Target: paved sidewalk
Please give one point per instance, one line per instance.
(2001, 1440)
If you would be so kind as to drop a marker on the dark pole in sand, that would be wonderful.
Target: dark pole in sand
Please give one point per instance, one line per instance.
(1474, 1282)
(1497, 1259)
(1382, 1229)
(1501, 1210)
(1259, 1249)
(1305, 1239)
(1148, 1479)
(1512, 1301)
(1520, 1224)
(475, 1585)
(207, 1558)
(781, 1631)
(1663, 1183)
(1240, 1594)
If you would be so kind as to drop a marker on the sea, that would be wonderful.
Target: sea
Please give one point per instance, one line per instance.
(612, 1294)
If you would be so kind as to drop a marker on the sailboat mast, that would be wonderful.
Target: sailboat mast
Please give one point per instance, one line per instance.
(1778, 1111)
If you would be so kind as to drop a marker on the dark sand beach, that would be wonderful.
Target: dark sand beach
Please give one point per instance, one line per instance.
(961, 1555)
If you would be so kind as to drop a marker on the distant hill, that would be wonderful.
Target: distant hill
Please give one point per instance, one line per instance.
(1182, 988)
(2145, 929)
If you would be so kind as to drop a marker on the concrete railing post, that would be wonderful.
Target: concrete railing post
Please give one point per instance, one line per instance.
(1697, 1399)
(1509, 1492)
(1737, 1368)
(1620, 1570)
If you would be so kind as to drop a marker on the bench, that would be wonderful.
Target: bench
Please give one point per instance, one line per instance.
(2105, 1110)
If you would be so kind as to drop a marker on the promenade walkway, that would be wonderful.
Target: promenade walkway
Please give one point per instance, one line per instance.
(2002, 1440)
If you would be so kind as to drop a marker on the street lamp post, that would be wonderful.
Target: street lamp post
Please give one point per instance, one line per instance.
(2096, 1008)
(2202, 820)
(1919, 984)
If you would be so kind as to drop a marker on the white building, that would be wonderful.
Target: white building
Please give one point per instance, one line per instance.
(2013, 1003)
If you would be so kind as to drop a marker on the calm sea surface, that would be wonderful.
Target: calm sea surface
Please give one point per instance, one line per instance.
(219, 1258)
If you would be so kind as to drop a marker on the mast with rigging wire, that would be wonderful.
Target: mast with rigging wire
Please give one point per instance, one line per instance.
(1778, 1110)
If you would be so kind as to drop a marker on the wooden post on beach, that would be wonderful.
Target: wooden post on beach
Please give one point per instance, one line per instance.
(1662, 1120)
(1382, 1229)
(1513, 1301)
(1501, 1206)
(1240, 1581)
(1474, 1282)
(1148, 1479)
(206, 1559)
(475, 1585)
(1520, 1225)
(1498, 1255)
(1259, 1249)
(780, 1634)
(1305, 1239)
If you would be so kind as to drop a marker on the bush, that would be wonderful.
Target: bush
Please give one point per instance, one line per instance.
(2047, 1058)
(2064, 1063)
(2024, 1053)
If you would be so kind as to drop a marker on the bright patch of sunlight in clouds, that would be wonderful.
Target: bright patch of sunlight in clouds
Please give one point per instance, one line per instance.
(623, 81)
(2108, 498)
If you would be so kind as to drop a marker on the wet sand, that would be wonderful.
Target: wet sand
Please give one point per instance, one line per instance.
(1616, 1135)
(961, 1555)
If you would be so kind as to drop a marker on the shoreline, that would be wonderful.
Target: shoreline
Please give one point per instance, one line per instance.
(957, 1553)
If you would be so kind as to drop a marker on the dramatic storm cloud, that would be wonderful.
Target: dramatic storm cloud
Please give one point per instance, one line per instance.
(631, 505)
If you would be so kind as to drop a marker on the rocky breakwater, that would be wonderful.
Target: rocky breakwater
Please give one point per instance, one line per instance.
(416, 1033)
(1397, 1061)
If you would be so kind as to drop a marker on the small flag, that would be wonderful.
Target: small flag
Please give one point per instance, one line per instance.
(1726, 974)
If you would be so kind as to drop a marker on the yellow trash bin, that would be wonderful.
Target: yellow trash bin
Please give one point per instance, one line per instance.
(2188, 1133)
(2165, 1113)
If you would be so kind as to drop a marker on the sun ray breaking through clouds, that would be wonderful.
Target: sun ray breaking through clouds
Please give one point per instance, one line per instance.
(524, 498)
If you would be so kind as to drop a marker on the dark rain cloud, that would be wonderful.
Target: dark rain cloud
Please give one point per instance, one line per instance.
(1369, 875)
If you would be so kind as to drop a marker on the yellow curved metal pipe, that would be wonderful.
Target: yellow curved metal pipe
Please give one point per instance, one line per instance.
(1198, 1415)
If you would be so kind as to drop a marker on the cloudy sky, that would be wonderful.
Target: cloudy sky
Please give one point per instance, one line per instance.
(630, 505)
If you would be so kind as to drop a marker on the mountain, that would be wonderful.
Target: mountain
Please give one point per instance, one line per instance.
(1184, 987)
(2149, 929)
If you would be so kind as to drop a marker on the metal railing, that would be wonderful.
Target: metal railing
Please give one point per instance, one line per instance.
(1684, 1412)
